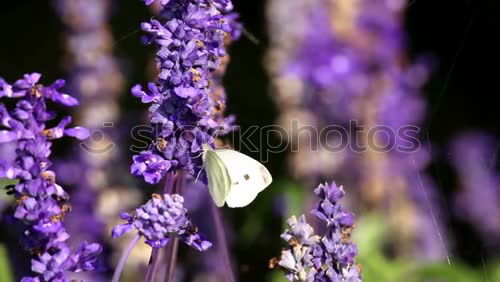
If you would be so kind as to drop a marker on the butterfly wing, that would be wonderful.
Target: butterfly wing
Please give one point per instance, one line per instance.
(5, 182)
(248, 177)
(218, 178)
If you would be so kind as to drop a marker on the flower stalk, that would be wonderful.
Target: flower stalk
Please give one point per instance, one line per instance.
(123, 259)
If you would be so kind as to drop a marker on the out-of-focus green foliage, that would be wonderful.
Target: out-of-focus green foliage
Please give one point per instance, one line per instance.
(293, 196)
(370, 236)
(494, 273)
(277, 276)
(445, 273)
(5, 269)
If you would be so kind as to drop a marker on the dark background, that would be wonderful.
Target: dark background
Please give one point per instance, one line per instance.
(461, 35)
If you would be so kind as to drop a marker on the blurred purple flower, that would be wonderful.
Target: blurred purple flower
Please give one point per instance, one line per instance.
(95, 78)
(346, 63)
(474, 156)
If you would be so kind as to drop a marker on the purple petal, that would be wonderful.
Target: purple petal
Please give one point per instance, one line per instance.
(7, 136)
(158, 243)
(125, 216)
(198, 242)
(145, 97)
(81, 133)
(64, 99)
(37, 266)
(121, 229)
(185, 92)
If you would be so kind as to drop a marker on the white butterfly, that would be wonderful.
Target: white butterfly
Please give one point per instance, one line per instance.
(233, 177)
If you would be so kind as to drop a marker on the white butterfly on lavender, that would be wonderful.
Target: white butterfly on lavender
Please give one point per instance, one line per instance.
(234, 178)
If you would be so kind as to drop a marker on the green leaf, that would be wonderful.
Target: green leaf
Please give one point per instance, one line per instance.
(370, 235)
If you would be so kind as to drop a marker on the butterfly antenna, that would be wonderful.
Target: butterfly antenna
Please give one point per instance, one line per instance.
(199, 173)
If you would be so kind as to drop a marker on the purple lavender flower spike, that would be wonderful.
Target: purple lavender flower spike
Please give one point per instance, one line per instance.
(301, 231)
(159, 220)
(328, 209)
(330, 257)
(185, 110)
(191, 38)
(41, 202)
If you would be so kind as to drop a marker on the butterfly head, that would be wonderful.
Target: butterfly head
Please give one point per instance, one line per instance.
(206, 147)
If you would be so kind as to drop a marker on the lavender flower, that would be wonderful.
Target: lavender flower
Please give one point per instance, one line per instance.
(191, 36)
(41, 203)
(185, 112)
(297, 259)
(161, 219)
(330, 257)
